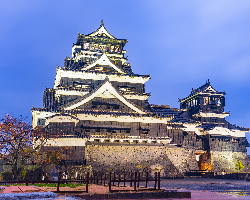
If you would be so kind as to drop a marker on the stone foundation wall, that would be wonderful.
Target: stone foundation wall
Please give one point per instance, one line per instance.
(223, 160)
(171, 162)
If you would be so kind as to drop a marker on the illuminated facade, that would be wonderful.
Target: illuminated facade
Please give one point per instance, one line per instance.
(100, 109)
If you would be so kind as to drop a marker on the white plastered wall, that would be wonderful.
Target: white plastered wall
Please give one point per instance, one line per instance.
(96, 76)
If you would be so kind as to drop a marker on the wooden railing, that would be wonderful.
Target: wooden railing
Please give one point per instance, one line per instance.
(121, 179)
(133, 180)
(27, 181)
(111, 179)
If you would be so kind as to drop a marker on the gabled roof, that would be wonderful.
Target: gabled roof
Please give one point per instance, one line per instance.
(61, 118)
(100, 31)
(206, 88)
(106, 89)
(104, 61)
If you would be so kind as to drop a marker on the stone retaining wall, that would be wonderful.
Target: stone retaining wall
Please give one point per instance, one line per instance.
(226, 160)
(171, 162)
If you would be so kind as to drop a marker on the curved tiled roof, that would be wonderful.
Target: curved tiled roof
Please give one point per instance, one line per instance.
(101, 30)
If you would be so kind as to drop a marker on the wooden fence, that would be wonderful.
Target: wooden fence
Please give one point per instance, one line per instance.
(104, 179)
(59, 181)
(134, 179)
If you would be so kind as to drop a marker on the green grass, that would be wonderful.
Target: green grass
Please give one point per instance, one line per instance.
(50, 185)
(61, 185)
(14, 185)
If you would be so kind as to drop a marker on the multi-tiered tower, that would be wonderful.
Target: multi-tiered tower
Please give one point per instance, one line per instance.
(220, 138)
(100, 111)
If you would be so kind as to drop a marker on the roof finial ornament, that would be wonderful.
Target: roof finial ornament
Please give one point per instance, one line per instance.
(102, 23)
(208, 81)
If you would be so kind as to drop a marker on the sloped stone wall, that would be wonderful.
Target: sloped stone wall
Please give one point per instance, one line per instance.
(170, 162)
(226, 160)
(183, 158)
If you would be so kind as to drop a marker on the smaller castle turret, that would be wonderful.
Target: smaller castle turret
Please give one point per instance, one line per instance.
(205, 104)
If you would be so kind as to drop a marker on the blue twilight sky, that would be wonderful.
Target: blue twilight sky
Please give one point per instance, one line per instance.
(179, 43)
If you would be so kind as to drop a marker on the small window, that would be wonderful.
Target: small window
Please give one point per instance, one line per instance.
(86, 46)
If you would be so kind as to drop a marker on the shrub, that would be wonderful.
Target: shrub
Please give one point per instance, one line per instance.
(22, 175)
(35, 172)
(239, 165)
(7, 176)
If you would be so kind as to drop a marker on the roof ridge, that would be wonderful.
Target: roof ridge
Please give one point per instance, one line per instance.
(88, 66)
(105, 30)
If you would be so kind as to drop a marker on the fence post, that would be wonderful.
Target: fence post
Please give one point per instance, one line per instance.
(159, 181)
(101, 179)
(138, 179)
(58, 184)
(119, 180)
(131, 179)
(124, 178)
(155, 180)
(27, 178)
(109, 181)
(104, 179)
(135, 181)
(94, 178)
(87, 183)
(114, 180)
(147, 180)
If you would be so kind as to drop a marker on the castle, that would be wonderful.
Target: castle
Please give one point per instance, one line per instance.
(101, 112)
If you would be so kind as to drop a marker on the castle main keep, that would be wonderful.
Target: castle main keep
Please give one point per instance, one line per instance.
(100, 110)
